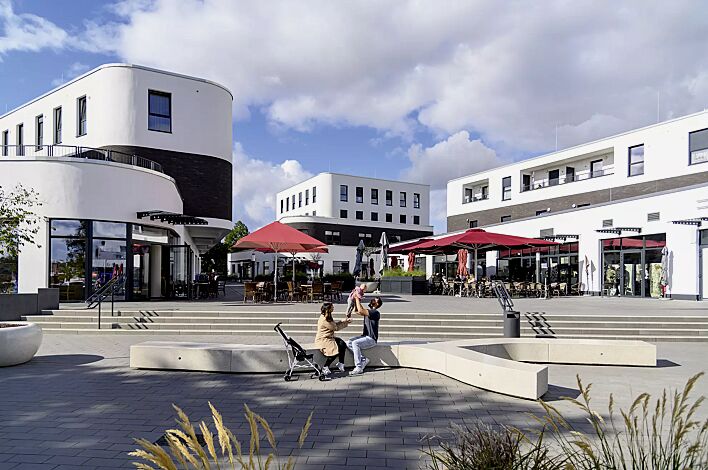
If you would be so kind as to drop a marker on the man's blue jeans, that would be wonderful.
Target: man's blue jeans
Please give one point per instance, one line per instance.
(357, 344)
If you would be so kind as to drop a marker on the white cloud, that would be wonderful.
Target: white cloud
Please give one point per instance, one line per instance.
(456, 156)
(511, 73)
(256, 183)
(73, 71)
(27, 32)
(438, 210)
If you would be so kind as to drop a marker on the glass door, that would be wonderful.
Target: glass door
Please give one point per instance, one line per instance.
(632, 274)
(141, 272)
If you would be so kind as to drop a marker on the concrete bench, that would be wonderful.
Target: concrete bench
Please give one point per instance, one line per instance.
(502, 365)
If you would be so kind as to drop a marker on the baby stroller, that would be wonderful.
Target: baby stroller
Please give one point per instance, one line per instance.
(298, 357)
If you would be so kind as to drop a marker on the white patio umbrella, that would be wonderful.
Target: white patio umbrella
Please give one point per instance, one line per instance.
(384, 253)
(664, 270)
(359, 255)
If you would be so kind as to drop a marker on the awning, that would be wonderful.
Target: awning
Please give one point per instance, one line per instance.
(172, 218)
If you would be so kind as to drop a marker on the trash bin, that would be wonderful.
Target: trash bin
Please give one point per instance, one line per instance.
(512, 324)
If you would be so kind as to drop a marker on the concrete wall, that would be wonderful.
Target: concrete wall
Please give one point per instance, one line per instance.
(14, 306)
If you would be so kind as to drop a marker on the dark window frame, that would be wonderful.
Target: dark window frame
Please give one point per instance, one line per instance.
(690, 152)
(359, 195)
(402, 219)
(343, 193)
(57, 125)
(389, 198)
(20, 139)
(81, 118)
(314, 194)
(307, 197)
(389, 217)
(359, 215)
(39, 132)
(374, 196)
(416, 220)
(168, 116)
(5, 142)
(506, 188)
(374, 216)
(343, 213)
(473, 223)
(600, 172)
(416, 200)
(402, 199)
(299, 199)
(632, 164)
(505, 218)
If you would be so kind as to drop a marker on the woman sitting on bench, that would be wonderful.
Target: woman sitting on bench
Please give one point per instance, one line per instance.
(330, 346)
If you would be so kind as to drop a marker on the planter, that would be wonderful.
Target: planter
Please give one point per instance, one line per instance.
(19, 344)
(408, 285)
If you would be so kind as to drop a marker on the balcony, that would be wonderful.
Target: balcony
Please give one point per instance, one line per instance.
(475, 192)
(566, 179)
(86, 153)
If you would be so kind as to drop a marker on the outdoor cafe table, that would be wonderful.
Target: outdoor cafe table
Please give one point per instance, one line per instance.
(198, 286)
(308, 288)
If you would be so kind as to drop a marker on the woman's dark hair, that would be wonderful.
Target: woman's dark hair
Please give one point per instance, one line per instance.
(326, 310)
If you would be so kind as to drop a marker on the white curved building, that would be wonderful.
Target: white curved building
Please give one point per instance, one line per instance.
(133, 169)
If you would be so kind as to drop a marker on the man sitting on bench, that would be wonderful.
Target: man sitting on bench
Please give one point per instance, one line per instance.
(370, 335)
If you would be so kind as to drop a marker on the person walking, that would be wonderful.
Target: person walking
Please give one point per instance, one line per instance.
(369, 336)
(331, 347)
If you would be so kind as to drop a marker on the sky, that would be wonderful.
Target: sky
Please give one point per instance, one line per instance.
(422, 91)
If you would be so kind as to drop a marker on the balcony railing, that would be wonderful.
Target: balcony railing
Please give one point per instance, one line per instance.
(70, 151)
(469, 199)
(581, 176)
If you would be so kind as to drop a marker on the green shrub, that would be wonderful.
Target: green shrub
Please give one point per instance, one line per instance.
(399, 272)
(664, 435)
(187, 451)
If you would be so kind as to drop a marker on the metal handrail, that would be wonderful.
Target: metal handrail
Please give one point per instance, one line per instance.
(582, 176)
(110, 288)
(71, 151)
(92, 300)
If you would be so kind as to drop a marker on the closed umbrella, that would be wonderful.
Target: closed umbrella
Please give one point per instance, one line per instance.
(411, 261)
(462, 262)
(359, 256)
(664, 270)
(384, 253)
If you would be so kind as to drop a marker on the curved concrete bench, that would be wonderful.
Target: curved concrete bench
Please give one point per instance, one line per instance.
(502, 365)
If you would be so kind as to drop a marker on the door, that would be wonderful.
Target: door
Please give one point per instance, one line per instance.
(632, 282)
(526, 182)
(141, 272)
(595, 168)
(553, 177)
(569, 174)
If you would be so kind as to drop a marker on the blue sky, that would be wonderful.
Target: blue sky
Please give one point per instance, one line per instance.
(424, 91)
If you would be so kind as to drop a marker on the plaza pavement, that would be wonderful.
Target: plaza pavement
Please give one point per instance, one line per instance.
(79, 405)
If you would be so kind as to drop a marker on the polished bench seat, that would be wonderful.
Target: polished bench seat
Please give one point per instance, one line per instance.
(512, 366)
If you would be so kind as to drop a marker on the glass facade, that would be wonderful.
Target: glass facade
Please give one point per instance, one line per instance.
(553, 264)
(631, 266)
(67, 258)
(8, 272)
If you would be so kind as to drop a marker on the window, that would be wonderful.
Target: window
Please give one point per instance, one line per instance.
(374, 216)
(485, 192)
(159, 111)
(5, 142)
(20, 140)
(474, 224)
(389, 198)
(359, 194)
(281, 206)
(607, 223)
(506, 188)
(57, 126)
(299, 199)
(307, 197)
(342, 213)
(287, 204)
(416, 220)
(314, 213)
(402, 218)
(596, 168)
(332, 237)
(363, 236)
(374, 196)
(389, 217)
(636, 160)
(340, 267)
(39, 132)
(416, 201)
(403, 199)
(698, 147)
(545, 232)
(541, 212)
(359, 215)
(81, 128)
(343, 192)
(314, 194)
(292, 203)
(505, 218)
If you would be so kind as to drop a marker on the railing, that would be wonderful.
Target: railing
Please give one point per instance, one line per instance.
(547, 183)
(111, 288)
(70, 151)
(469, 199)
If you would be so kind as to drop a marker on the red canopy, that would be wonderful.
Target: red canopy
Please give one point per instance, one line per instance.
(279, 238)
(477, 239)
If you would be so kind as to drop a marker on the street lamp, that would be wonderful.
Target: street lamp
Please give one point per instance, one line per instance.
(253, 265)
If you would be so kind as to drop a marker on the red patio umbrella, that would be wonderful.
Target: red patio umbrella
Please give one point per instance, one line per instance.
(279, 238)
(411, 261)
(462, 262)
(476, 239)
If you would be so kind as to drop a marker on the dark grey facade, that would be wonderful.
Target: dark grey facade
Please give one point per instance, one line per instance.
(204, 182)
(349, 234)
(564, 203)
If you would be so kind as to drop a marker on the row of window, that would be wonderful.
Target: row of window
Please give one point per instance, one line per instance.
(698, 153)
(289, 202)
(374, 196)
(159, 119)
(374, 217)
(334, 237)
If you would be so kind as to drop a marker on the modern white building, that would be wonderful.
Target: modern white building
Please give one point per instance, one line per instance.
(616, 202)
(340, 210)
(133, 169)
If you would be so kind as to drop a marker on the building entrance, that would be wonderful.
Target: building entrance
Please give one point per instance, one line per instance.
(631, 266)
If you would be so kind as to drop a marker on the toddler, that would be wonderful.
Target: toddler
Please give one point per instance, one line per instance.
(357, 293)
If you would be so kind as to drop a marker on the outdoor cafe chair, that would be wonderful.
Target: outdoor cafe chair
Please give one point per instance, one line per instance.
(317, 292)
(250, 291)
(293, 293)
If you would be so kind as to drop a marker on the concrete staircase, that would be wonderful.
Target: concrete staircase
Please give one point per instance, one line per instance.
(394, 325)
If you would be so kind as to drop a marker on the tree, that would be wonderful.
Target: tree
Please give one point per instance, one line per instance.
(18, 222)
(216, 258)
